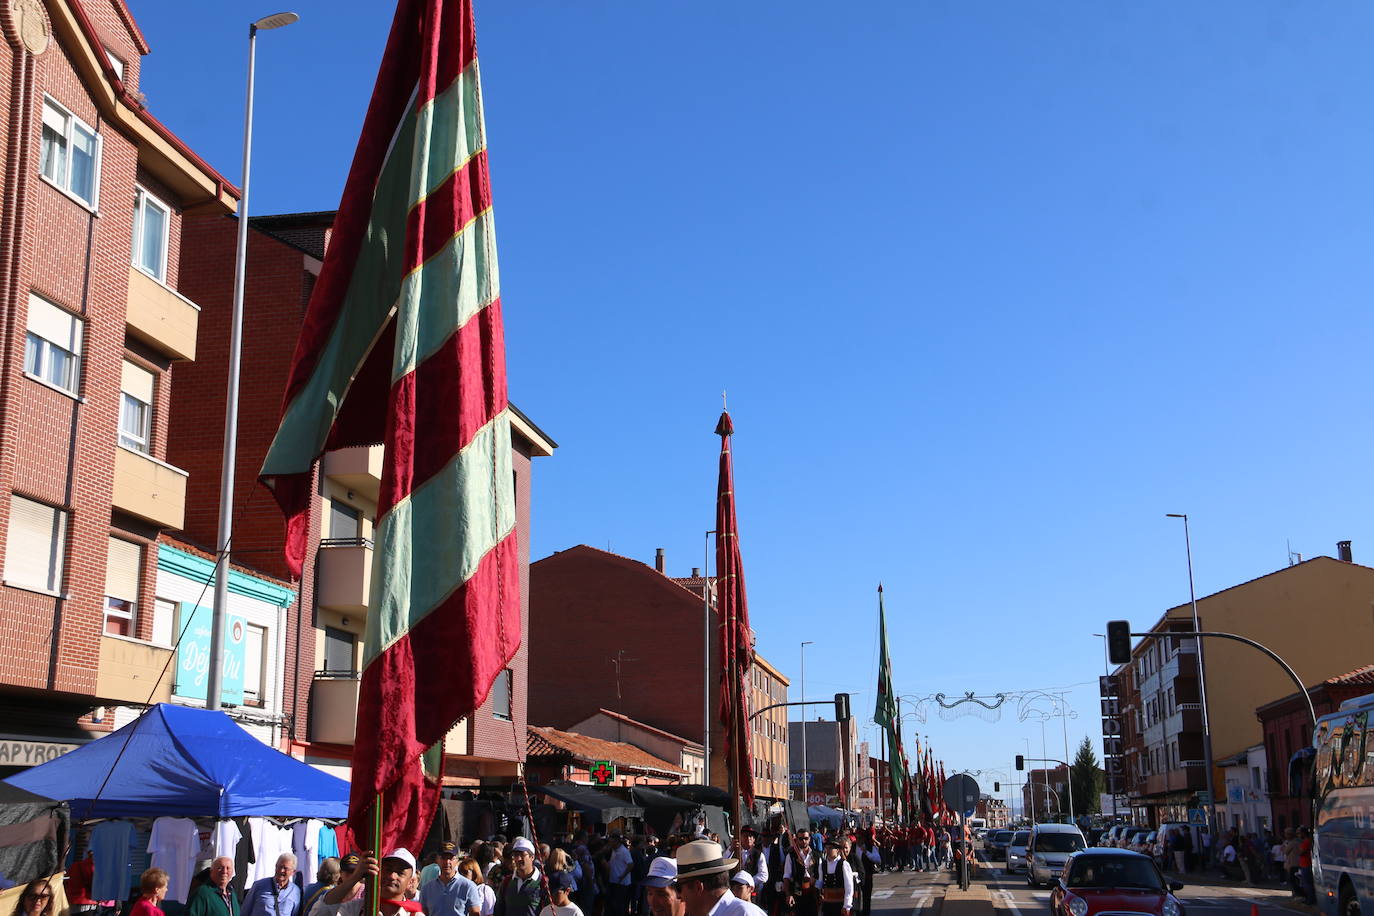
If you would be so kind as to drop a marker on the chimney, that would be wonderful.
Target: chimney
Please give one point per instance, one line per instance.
(659, 562)
(696, 572)
(1343, 551)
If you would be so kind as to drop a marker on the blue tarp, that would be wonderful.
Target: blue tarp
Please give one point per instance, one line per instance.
(180, 761)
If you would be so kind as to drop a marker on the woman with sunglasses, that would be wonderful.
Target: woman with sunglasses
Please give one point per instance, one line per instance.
(36, 899)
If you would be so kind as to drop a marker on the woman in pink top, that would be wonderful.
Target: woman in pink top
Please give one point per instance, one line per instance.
(153, 885)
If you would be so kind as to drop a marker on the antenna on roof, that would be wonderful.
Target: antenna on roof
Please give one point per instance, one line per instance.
(1293, 558)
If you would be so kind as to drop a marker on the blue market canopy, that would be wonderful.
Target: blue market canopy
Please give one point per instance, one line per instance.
(180, 761)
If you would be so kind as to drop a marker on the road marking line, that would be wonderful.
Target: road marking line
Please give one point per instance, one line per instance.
(883, 894)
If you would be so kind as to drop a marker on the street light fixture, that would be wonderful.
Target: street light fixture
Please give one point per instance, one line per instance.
(1202, 685)
(231, 407)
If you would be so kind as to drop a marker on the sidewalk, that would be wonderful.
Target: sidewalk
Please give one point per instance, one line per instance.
(1271, 892)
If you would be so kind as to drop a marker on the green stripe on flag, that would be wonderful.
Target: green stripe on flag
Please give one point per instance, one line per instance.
(422, 555)
(442, 295)
(449, 132)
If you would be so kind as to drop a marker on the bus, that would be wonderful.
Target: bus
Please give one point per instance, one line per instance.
(1343, 786)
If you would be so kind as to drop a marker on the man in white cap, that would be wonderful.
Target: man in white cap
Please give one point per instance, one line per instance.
(521, 894)
(392, 875)
(660, 887)
(742, 886)
(703, 882)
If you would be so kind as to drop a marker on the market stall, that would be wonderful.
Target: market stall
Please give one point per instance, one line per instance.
(592, 806)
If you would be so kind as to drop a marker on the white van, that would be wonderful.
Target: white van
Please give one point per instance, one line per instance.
(1049, 848)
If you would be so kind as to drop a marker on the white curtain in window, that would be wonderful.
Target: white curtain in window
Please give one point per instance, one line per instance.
(34, 547)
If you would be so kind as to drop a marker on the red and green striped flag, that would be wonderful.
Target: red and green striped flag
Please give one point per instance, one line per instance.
(736, 637)
(885, 714)
(402, 345)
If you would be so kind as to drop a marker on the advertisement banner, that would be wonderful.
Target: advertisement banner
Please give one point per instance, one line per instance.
(193, 656)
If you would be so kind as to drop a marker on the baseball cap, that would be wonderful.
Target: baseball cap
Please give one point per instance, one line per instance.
(350, 861)
(744, 878)
(448, 849)
(402, 855)
(560, 881)
(522, 845)
(662, 872)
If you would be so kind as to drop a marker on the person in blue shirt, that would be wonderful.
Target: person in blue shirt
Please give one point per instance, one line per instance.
(277, 895)
(450, 894)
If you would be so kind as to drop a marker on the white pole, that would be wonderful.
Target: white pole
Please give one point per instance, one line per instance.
(1064, 718)
(231, 409)
(706, 657)
(805, 712)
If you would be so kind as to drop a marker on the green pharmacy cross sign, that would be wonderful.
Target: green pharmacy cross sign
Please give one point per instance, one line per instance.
(603, 772)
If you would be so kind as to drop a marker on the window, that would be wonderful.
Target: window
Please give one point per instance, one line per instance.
(150, 234)
(164, 622)
(115, 63)
(122, 565)
(69, 154)
(501, 694)
(52, 351)
(34, 549)
(254, 665)
(338, 650)
(136, 407)
(344, 521)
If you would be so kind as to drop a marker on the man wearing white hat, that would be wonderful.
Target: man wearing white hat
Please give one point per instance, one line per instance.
(703, 882)
(660, 888)
(392, 875)
(521, 894)
(742, 886)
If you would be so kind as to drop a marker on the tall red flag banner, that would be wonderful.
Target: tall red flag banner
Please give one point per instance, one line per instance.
(736, 639)
(402, 345)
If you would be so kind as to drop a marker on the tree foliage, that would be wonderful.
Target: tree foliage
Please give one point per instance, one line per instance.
(1087, 779)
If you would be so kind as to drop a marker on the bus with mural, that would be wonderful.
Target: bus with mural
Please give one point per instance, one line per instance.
(1343, 786)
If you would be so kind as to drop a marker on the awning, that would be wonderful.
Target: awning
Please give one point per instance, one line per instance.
(660, 808)
(598, 807)
(702, 795)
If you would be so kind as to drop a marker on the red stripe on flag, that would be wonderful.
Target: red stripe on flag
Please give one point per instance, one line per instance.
(449, 208)
(453, 47)
(413, 693)
(440, 406)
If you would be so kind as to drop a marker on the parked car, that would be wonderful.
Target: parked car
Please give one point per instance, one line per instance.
(1050, 847)
(995, 845)
(1101, 880)
(1016, 851)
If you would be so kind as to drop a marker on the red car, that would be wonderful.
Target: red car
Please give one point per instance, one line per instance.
(1099, 880)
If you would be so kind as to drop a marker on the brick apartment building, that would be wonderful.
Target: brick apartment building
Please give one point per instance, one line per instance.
(1046, 791)
(612, 633)
(325, 627)
(1294, 611)
(94, 193)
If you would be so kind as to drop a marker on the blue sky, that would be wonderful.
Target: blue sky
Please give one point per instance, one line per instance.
(991, 286)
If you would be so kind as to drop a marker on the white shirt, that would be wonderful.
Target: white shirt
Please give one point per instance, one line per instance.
(488, 899)
(1228, 854)
(224, 839)
(305, 845)
(808, 861)
(828, 868)
(730, 905)
(174, 843)
(570, 910)
(352, 907)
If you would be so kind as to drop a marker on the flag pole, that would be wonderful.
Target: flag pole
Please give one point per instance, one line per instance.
(374, 896)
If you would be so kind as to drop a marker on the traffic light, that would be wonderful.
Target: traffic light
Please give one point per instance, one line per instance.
(841, 707)
(1119, 641)
(1020, 762)
(997, 787)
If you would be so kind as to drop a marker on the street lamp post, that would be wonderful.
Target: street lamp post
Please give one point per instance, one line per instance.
(802, 686)
(215, 673)
(1202, 686)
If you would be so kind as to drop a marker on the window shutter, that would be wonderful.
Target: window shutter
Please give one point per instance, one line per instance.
(54, 119)
(33, 555)
(121, 570)
(52, 323)
(137, 381)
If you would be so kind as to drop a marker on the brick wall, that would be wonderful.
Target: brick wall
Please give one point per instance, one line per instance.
(585, 605)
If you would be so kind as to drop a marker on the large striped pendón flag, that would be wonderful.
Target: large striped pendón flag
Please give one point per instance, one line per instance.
(402, 345)
(736, 639)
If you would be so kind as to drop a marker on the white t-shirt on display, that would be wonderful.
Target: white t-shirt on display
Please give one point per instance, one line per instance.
(173, 844)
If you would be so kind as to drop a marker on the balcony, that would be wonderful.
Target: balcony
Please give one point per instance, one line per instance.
(129, 669)
(359, 469)
(344, 574)
(334, 712)
(152, 490)
(161, 317)
(333, 708)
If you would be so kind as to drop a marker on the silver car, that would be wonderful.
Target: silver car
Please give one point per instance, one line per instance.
(1016, 851)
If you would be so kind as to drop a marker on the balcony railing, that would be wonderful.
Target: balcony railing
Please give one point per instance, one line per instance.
(150, 489)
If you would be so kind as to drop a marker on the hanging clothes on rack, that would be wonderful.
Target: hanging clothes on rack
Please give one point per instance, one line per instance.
(174, 845)
(111, 843)
(305, 843)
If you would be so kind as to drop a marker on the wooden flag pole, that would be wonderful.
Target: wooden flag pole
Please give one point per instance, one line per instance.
(374, 894)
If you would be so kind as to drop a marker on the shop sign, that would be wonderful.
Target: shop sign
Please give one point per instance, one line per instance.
(31, 753)
(193, 657)
(603, 773)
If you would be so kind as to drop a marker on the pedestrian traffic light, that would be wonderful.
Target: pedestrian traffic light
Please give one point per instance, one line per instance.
(841, 707)
(997, 787)
(1119, 641)
(1020, 762)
